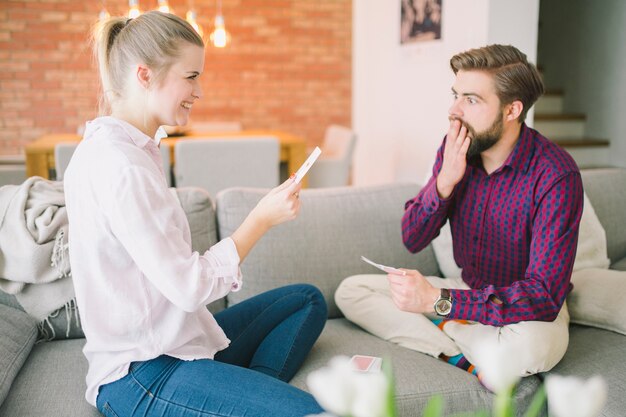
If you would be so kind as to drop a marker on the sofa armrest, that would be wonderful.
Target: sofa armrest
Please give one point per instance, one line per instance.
(324, 244)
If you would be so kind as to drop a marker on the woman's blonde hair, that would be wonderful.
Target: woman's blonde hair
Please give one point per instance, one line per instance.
(515, 78)
(154, 39)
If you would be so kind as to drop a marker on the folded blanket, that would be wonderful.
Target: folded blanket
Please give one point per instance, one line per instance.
(34, 260)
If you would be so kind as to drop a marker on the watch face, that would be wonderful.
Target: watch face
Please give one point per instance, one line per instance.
(443, 307)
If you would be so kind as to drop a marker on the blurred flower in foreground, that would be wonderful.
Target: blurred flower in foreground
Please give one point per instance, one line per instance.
(575, 397)
(498, 368)
(344, 392)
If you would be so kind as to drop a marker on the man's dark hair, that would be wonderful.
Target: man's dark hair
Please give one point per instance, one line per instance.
(515, 78)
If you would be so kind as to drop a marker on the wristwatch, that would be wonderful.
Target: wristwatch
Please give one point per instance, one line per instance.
(443, 305)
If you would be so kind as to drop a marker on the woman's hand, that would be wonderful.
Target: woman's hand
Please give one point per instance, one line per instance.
(281, 204)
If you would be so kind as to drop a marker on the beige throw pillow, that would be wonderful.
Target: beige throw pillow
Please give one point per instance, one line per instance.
(598, 299)
(592, 250)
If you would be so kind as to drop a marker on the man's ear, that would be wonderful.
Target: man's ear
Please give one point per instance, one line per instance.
(144, 75)
(514, 110)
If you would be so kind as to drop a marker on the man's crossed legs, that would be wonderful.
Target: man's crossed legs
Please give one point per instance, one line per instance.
(536, 346)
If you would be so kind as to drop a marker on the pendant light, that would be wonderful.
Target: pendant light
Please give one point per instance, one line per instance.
(164, 7)
(220, 36)
(192, 18)
(104, 14)
(133, 9)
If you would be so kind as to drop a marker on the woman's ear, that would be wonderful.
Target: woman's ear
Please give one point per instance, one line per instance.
(514, 110)
(143, 75)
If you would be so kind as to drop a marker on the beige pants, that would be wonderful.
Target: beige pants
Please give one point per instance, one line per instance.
(365, 300)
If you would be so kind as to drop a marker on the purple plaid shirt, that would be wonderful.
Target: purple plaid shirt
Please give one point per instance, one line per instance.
(515, 231)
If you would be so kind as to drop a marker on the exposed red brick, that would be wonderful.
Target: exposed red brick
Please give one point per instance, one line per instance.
(288, 66)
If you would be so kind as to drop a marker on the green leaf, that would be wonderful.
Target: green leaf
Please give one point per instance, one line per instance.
(503, 405)
(482, 413)
(390, 407)
(434, 407)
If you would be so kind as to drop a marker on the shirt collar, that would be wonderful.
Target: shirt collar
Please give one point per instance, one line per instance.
(520, 158)
(137, 136)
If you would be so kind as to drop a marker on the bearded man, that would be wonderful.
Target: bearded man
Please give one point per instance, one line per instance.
(514, 201)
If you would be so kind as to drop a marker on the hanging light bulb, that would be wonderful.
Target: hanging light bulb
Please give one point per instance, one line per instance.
(164, 7)
(133, 9)
(104, 14)
(192, 19)
(220, 36)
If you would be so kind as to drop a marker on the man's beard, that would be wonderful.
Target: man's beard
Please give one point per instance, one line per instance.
(481, 141)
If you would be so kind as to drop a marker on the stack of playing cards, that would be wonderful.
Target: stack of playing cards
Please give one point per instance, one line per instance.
(364, 363)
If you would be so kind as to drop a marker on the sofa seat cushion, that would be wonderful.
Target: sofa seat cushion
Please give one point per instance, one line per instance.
(51, 383)
(417, 376)
(592, 352)
(19, 332)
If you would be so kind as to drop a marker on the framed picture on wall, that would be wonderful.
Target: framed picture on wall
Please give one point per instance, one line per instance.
(420, 20)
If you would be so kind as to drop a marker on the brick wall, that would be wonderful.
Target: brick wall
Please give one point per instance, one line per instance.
(288, 66)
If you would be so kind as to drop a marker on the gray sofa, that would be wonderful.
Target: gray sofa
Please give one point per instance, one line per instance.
(322, 247)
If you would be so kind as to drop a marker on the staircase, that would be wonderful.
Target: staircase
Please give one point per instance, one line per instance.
(568, 130)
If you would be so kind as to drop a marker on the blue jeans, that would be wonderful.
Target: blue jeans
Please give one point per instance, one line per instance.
(271, 335)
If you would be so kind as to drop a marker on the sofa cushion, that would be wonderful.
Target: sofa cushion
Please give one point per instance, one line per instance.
(444, 252)
(51, 383)
(619, 265)
(598, 299)
(597, 352)
(325, 243)
(605, 188)
(417, 376)
(18, 333)
(200, 212)
(9, 300)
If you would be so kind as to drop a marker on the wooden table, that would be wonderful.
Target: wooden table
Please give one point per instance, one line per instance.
(40, 153)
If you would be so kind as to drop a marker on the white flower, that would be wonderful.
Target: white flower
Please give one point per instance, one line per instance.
(345, 392)
(498, 367)
(371, 395)
(331, 386)
(575, 397)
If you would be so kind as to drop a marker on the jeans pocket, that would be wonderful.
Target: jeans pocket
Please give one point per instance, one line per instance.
(108, 411)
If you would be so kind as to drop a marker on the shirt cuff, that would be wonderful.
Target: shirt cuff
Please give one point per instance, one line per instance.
(431, 202)
(468, 304)
(226, 251)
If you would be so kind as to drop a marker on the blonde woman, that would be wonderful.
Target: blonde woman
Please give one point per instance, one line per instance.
(152, 346)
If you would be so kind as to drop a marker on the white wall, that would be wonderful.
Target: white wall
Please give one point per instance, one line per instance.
(401, 93)
(582, 47)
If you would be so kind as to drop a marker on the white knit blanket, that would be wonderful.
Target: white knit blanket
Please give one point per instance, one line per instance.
(34, 260)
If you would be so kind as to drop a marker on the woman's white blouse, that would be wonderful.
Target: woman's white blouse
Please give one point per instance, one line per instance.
(141, 290)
